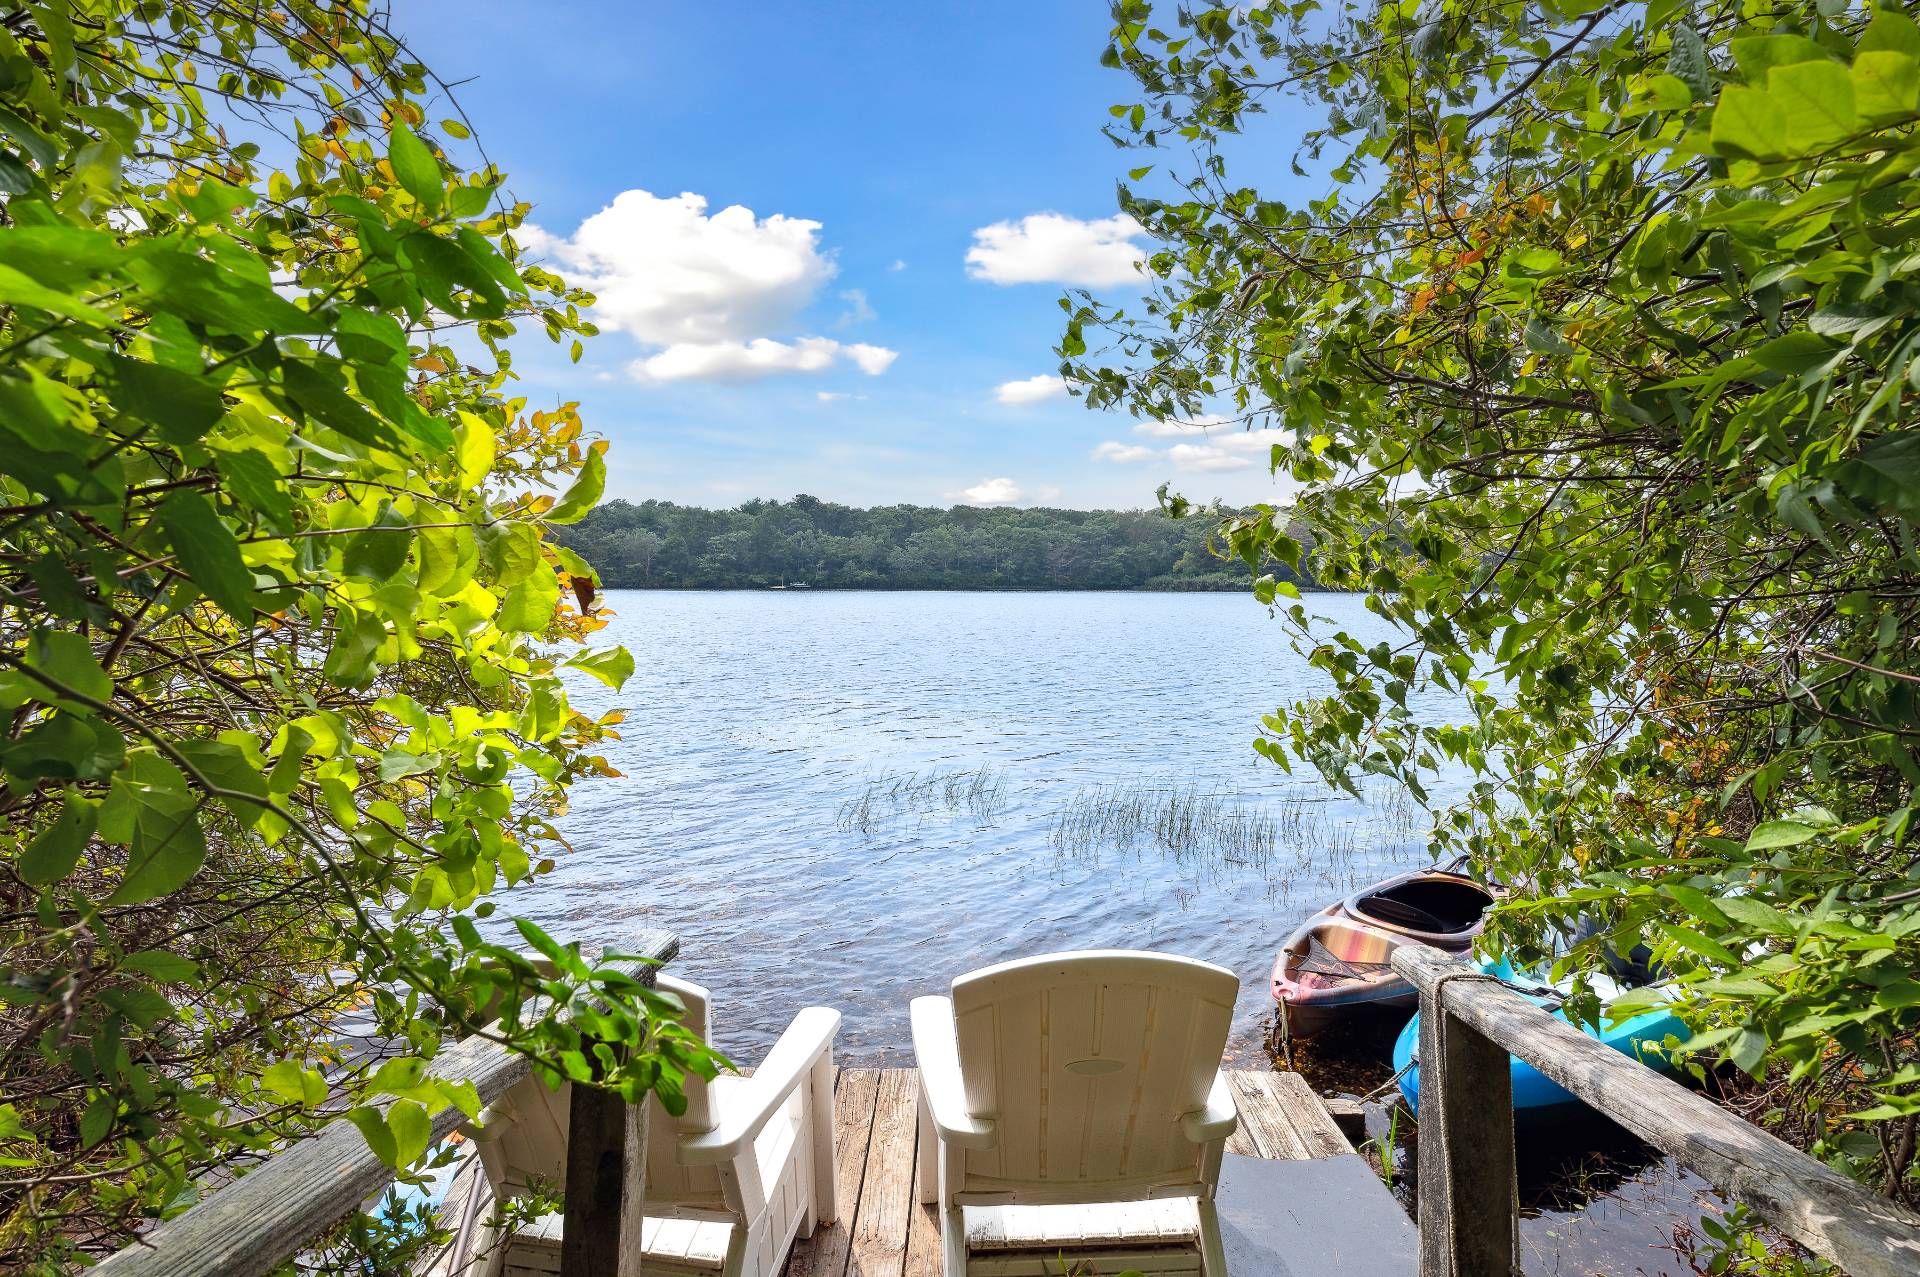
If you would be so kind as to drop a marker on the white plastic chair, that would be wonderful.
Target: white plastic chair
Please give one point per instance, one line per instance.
(730, 1183)
(1074, 1103)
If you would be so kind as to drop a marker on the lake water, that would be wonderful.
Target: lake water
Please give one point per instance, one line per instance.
(850, 798)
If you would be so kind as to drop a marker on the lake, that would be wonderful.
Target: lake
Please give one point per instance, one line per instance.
(850, 798)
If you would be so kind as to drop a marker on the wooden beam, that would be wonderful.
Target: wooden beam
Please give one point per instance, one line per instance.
(1469, 1208)
(1831, 1215)
(261, 1220)
(606, 1182)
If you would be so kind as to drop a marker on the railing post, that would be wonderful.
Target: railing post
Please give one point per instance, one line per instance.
(606, 1185)
(1469, 1218)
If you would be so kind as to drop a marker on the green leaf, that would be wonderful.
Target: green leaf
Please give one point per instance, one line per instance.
(447, 557)
(1897, 994)
(586, 489)
(208, 552)
(66, 658)
(380, 552)
(217, 296)
(1816, 100)
(55, 850)
(613, 666)
(1886, 85)
(1753, 914)
(42, 450)
(1687, 62)
(373, 1129)
(412, 1128)
(156, 815)
(1756, 55)
(167, 968)
(316, 391)
(1748, 1050)
(66, 746)
(228, 768)
(17, 289)
(254, 481)
(97, 1119)
(1886, 473)
(417, 168)
(1796, 352)
(1779, 833)
(529, 606)
(473, 450)
(396, 764)
(1890, 31)
(182, 405)
(511, 551)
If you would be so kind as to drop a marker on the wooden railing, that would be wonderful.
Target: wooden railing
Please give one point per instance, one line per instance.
(261, 1220)
(1469, 1023)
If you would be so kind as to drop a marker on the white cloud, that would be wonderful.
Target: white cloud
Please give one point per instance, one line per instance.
(1052, 248)
(751, 360)
(666, 272)
(1200, 456)
(713, 297)
(859, 310)
(873, 360)
(1223, 433)
(989, 492)
(1113, 450)
(835, 396)
(1030, 390)
(899, 264)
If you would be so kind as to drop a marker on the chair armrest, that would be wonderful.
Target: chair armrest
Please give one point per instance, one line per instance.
(942, 1089)
(1218, 1119)
(747, 1109)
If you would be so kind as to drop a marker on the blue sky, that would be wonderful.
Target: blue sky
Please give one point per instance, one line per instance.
(777, 203)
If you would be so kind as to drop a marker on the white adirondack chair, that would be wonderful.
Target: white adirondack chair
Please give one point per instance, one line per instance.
(730, 1183)
(1074, 1103)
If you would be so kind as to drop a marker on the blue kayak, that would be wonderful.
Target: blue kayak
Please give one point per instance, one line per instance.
(1641, 1036)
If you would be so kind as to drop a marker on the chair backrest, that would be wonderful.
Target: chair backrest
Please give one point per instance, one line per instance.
(1086, 1063)
(523, 1134)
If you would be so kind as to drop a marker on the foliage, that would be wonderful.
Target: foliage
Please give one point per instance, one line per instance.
(279, 614)
(1596, 353)
(658, 543)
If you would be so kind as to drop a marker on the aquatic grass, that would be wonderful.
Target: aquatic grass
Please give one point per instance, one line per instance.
(1183, 819)
(977, 792)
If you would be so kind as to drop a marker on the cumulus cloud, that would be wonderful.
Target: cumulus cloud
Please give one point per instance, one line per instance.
(989, 492)
(1030, 390)
(1200, 456)
(714, 295)
(1227, 447)
(1219, 433)
(872, 360)
(1052, 248)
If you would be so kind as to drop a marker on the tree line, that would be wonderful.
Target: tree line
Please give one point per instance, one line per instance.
(659, 544)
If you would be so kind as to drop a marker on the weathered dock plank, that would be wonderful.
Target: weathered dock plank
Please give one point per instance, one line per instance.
(879, 1225)
(825, 1253)
(885, 1232)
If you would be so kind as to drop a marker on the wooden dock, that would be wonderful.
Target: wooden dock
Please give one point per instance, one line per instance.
(885, 1232)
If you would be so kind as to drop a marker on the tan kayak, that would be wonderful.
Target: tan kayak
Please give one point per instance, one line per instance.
(1337, 962)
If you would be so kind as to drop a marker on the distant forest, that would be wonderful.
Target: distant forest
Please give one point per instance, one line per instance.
(657, 544)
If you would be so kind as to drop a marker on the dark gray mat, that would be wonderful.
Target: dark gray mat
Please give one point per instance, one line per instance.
(1331, 1217)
